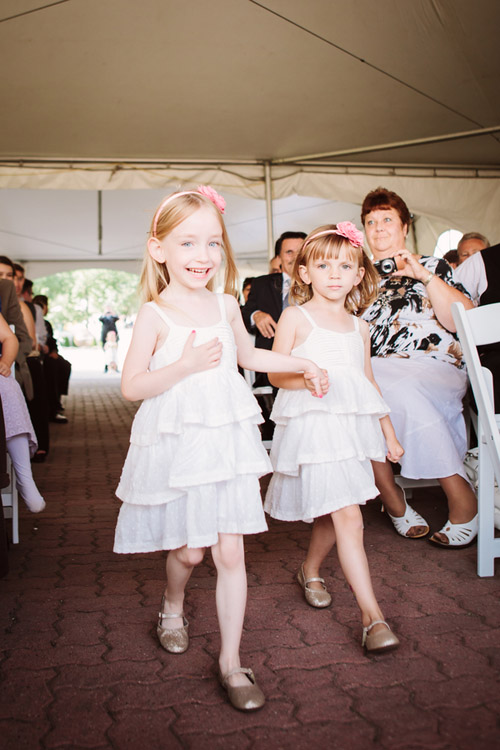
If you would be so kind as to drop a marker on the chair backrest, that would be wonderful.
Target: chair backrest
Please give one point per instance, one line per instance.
(481, 325)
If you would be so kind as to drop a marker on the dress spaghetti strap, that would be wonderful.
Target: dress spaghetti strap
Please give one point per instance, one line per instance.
(308, 316)
(222, 306)
(356, 322)
(160, 312)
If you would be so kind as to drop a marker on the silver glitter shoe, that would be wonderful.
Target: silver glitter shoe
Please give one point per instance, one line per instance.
(175, 640)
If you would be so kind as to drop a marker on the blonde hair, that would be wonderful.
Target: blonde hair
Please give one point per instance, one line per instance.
(154, 276)
(330, 246)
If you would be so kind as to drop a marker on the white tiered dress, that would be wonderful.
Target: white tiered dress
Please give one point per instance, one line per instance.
(322, 448)
(195, 454)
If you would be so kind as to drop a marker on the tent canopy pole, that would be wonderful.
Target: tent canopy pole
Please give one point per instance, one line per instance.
(269, 209)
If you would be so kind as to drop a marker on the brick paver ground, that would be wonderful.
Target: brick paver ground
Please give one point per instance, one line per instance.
(81, 666)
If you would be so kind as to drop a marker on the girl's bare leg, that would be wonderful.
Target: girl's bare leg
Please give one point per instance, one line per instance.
(231, 598)
(180, 564)
(348, 523)
(391, 495)
(322, 541)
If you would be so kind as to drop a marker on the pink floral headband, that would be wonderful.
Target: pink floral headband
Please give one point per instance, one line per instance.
(205, 190)
(344, 229)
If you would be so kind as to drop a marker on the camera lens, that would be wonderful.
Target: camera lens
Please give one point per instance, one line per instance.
(387, 266)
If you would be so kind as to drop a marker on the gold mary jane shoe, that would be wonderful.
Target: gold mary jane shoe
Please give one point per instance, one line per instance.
(313, 597)
(244, 697)
(175, 640)
(382, 640)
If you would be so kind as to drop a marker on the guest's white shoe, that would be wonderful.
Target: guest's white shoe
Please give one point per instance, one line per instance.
(411, 518)
(457, 534)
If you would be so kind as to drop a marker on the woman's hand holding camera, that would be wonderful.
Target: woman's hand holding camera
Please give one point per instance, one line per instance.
(408, 265)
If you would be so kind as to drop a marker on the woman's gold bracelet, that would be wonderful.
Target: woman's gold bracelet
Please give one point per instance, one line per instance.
(428, 279)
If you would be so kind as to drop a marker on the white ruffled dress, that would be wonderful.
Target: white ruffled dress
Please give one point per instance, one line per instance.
(322, 448)
(192, 470)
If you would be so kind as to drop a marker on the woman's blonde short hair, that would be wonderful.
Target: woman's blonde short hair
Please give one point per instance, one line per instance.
(154, 275)
(330, 246)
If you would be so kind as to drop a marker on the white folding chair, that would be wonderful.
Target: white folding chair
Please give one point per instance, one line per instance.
(9, 496)
(10, 502)
(475, 327)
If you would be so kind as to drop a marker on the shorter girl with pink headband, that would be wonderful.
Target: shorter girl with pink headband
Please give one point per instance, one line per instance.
(191, 477)
(322, 449)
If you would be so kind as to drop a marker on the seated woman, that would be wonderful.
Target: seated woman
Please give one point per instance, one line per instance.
(417, 362)
(21, 441)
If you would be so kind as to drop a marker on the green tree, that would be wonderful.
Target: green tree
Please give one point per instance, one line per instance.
(79, 296)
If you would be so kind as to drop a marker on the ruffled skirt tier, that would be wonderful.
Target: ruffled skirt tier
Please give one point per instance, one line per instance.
(321, 452)
(192, 470)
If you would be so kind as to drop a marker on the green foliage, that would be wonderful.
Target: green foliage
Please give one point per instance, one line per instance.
(80, 296)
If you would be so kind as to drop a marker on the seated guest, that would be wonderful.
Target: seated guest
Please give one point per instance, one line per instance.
(480, 275)
(57, 369)
(20, 437)
(267, 299)
(269, 295)
(38, 405)
(14, 317)
(36, 311)
(470, 243)
(417, 362)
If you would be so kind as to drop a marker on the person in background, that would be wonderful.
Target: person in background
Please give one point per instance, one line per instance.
(57, 369)
(108, 321)
(470, 243)
(267, 299)
(36, 311)
(111, 353)
(14, 317)
(275, 265)
(451, 257)
(245, 289)
(38, 406)
(417, 362)
(19, 433)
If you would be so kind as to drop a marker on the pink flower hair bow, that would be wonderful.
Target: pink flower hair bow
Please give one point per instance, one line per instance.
(344, 229)
(205, 190)
(214, 196)
(348, 230)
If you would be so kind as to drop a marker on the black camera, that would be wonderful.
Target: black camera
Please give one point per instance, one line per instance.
(386, 266)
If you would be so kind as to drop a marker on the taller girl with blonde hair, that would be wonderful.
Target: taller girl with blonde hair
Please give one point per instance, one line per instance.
(190, 480)
(322, 449)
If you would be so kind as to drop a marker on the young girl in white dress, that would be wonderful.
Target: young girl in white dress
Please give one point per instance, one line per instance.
(322, 448)
(190, 480)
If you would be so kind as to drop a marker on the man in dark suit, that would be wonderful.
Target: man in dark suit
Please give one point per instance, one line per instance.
(269, 294)
(267, 299)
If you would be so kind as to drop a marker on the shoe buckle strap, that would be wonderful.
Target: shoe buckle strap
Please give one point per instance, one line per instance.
(311, 580)
(169, 615)
(239, 670)
(370, 626)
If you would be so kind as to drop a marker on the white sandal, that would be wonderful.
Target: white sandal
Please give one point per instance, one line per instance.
(411, 518)
(458, 534)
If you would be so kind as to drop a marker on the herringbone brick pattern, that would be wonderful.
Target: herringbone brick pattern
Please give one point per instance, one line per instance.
(81, 666)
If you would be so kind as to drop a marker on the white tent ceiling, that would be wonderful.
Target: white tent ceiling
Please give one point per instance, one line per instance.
(128, 98)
